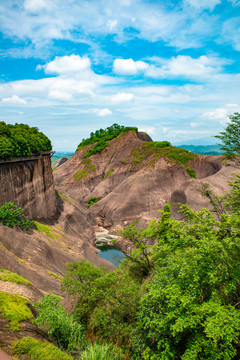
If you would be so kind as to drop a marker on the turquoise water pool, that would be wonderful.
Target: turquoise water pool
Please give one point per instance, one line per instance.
(113, 255)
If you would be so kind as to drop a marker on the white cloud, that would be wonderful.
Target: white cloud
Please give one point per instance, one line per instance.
(122, 98)
(112, 24)
(14, 100)
(59, 95)
(66, 65)
(186, 66)
(203, 4)
(148, 130)
(104, 112)
(128, 66)
(231, 32)
(218, 114)
(36, 5)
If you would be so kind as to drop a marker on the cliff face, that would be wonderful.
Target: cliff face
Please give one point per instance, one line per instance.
(131, 179)
(29, 184)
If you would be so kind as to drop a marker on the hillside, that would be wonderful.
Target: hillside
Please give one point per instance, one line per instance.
(134, 177)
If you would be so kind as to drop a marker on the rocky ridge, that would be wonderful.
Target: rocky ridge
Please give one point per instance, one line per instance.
(132, 178)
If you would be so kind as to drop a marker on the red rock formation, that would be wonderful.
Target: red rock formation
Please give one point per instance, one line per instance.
(131, 179)
(29, 184)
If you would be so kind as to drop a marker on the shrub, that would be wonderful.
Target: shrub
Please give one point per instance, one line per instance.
(108, 173)
(101, 352)
(59, 324)
(6, 275)
(191, 172)
(11, 215)
(46, 229)
(39, 350)
(14, 309)
(92, 200)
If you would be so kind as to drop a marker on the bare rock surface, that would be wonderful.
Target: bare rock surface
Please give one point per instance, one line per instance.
(29, 184)
(59, 162)
(130, 183)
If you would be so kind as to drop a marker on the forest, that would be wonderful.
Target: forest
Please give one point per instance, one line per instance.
(21, 140)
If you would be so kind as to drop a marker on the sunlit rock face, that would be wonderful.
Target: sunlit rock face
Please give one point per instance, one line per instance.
(131, 180)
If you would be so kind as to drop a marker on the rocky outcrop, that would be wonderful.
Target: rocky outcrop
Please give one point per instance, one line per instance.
(131, 179)
(59, 162)
(29, 184)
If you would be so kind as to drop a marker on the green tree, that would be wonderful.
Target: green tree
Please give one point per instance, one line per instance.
(190, 309)
(11, 215)
(231, 136)
(106, 302)
(65, 330)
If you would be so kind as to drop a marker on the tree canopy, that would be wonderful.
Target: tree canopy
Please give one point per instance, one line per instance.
(21, 140)
(101, 138)
(231, 136)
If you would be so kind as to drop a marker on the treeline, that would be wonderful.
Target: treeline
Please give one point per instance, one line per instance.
(101, 138)
(21, 140)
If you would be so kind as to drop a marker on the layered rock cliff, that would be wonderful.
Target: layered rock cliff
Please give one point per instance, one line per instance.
(28, 182)
(133, 178)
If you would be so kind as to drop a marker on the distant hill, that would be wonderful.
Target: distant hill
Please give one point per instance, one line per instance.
(61, 154)
(203, 149)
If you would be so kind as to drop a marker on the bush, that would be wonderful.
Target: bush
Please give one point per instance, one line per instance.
(59, 324)
(11, 215)
(6, 275)
(92, 200)
(14, 309)
(101, 352)
(39, 350)
(106, 302)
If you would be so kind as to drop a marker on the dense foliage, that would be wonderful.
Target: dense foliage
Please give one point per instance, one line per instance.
(66, 332)
(11, 215)
(14, 309)
(21, 140)
(230, 137)
(106, 302)
(100, 138)
(175, 297)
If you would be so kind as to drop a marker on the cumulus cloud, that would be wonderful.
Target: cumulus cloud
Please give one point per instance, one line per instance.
(186, 66)
(218, 114)
(66, 65)
(104, 112)
(14, 100)
(122, 97)
(128, 66)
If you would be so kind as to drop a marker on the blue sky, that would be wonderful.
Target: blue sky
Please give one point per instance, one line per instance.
(170, 68)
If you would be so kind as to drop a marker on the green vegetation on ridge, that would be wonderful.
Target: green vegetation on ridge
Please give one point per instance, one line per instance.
(6, 275)
(14, 309)
(21, 140)
(11, 215)
(101, 138)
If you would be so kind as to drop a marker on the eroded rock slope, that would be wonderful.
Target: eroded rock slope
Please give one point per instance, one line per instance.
(133, 178)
